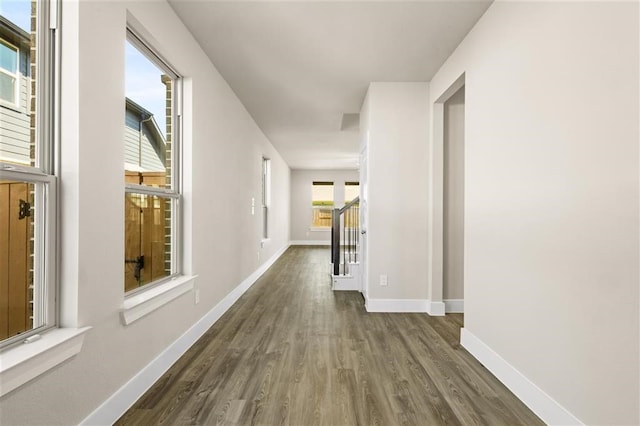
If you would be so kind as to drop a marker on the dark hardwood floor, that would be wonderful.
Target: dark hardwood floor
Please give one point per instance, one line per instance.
(291, 351)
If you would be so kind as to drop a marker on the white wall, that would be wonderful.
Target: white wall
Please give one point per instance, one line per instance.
(552, 221)
(223, 154)
(395, 125)
(301, 210)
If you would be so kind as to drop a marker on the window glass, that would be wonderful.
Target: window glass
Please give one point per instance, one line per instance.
(148, 111)
(17, 214)
(151, 187)
(18, 99)
(351, 191)
(7, 87)
(147, 258)
(322, 204)
(8, 57)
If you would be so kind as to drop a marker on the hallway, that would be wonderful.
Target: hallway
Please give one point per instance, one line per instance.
(291, 351)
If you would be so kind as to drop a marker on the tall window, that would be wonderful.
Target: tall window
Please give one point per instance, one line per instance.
(27, 175)
(322, 204)
(151, 160)
(351, 191)
(266, 195)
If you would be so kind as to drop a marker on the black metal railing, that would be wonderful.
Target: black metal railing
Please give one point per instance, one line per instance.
(345, 236)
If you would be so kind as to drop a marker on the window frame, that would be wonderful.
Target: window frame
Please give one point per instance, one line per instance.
(175, 192)
(16, 75)
(43, 174)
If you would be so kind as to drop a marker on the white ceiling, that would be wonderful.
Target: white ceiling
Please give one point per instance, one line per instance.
(298, 66)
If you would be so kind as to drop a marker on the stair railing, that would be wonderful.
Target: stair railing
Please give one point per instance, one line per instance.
(345, 236)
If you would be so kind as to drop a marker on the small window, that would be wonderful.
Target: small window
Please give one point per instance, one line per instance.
(322, 204)
(351, 191)
(9, 79)
(151, 163)
(266, 195)
(28, 179)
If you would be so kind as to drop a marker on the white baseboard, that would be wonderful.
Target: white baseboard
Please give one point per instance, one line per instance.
(454, 306)
(435, 309)
(396, 305)
(118, 403)
(310, 243)
(405, 305)
(532, 396)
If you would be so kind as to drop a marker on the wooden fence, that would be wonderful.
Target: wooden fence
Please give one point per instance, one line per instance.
(16, 261)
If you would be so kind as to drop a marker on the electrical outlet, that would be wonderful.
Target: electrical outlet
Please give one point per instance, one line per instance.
(384, 280)
(197, 295)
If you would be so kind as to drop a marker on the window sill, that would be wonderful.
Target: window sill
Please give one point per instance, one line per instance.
(23, 363)
(142, 304)
(320, 229)
(12, 106)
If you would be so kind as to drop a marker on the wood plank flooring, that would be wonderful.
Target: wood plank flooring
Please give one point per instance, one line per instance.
(293, 352)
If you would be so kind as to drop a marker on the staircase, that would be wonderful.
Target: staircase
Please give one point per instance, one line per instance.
(345, 243)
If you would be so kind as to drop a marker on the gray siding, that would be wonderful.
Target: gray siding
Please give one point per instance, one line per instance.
(134, 148)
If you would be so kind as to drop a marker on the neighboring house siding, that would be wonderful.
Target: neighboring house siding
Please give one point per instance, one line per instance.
(14, 127)
(139, 151)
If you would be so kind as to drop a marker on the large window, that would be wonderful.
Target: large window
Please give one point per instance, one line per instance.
(322, 204)
(351, 191)
(266, 195)
(151, 160)
(27, 175)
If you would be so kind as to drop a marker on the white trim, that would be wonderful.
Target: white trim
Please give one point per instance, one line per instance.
(118, 403)
(454, 306)
(138, 40)
(405, 305)
(132, 188)
(23, 363)
(435, 309)
(310, 243)
(349, 282)
(320, 229)
(545, 407)
(345, 283)
(142, 304)
(452, 89)
(43, 256)
(396, 305)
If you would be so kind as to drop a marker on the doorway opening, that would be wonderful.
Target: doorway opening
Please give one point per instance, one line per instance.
(453, 203)
(447, 199)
